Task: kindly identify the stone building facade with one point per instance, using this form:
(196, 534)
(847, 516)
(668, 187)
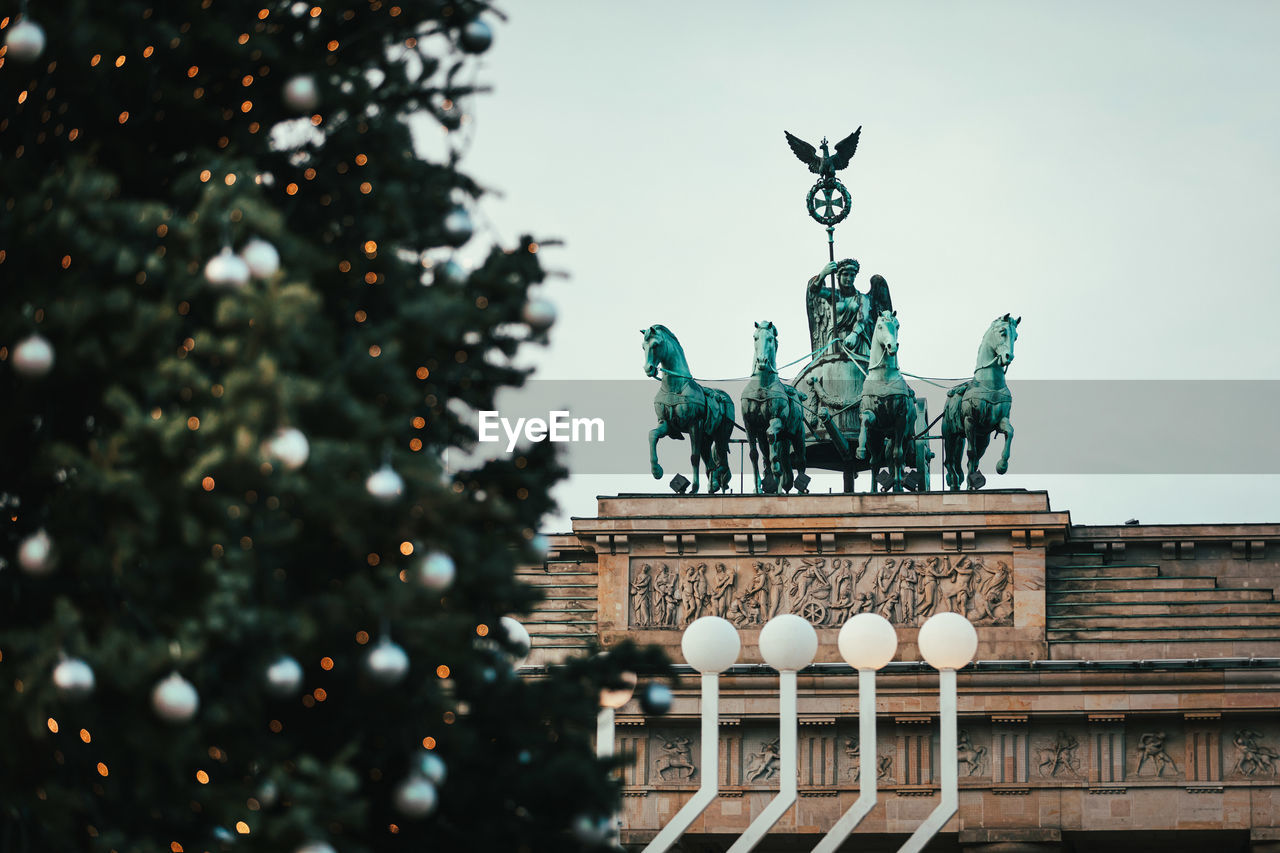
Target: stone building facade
(1125, 696)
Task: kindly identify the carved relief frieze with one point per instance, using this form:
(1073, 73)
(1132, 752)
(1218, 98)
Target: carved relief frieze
(1153, 756)
(1060, 757)
(1253, 757)
(669, 593)
(971, 758)
(672, 758)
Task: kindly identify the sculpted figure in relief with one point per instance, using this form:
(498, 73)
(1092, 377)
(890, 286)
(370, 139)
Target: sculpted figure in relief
(677, 755)
(722, 589)
(764, 764)
(972, 757)
(641, 598)
(1151, 748)
(853, 750)
(665, 597)
(1254, 758)
(1060, 755)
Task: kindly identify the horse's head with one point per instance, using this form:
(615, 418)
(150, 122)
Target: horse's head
(766, 347)
(884, 341)
(997, 343)
(654, 345)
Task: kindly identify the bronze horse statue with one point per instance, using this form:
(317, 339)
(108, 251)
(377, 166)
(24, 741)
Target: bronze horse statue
(887, 410)
(682, 405)
(773, 418)
(979, 407)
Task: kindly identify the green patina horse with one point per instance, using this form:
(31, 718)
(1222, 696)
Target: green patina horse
(887, 410)
(979, 407)
(682, 405)
(773, 417)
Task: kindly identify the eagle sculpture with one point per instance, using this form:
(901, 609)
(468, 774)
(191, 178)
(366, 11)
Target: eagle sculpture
(827, 164)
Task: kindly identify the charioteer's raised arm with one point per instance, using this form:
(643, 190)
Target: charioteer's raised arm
(818, 282)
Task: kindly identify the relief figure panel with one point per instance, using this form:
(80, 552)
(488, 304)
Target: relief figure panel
(669, 593)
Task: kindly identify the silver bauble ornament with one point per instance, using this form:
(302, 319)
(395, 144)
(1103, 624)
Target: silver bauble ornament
(269, 793)
(174, 699)
(519, 639)
(290, 447)
(656, 699)
(540, 314)
(387, 663)
(226, 269)
(416, 797)
(432, 768)
(476, 37)
(457, 226)
(316, 847)
(35, 554)
(436, 571)
(449, 272)
(385, 484)
(262, 258)
(73, 678)
(33, 357)
(590, 829)
(283, 676)
(540, 545)
(25, 41)
(301, 94)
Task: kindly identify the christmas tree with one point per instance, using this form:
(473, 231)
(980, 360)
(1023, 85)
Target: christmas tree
(244, 603)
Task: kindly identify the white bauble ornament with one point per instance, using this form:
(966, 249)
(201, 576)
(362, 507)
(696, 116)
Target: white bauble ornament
(33, 357)
(436, 571)
(35, 554)
(73, 679)
(385, 484)
(25, 41)
(416, 797)
(476, 37)
(519, 637)
(316, 847)
(301, 94)
(283, 676)
(290, 447)
(226, 269)
(540, 314)
(432, 768)
(262, 258)
(175, 699)
(457, 226)
(387, 663)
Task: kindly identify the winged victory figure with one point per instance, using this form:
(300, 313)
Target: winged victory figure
(824, 165)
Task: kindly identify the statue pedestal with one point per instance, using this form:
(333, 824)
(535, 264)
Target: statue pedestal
(666, 560)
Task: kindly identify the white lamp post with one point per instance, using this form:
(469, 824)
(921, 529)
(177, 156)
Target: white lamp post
(611, 699)
(710, 646)
(948, 642)
(788, 644)
(867, 642)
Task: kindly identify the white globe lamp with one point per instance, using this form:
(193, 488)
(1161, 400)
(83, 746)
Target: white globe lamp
(948, 641)
(711, 645)
(867, 641)
(788, 642)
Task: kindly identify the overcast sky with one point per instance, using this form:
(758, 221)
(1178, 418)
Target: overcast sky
(1111, 172)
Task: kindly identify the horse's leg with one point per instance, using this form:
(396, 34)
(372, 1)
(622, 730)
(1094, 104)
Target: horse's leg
(866, 418)
(695, 456)
(654, 434)
(1006, 429)
(753, 442)
(797, 453)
